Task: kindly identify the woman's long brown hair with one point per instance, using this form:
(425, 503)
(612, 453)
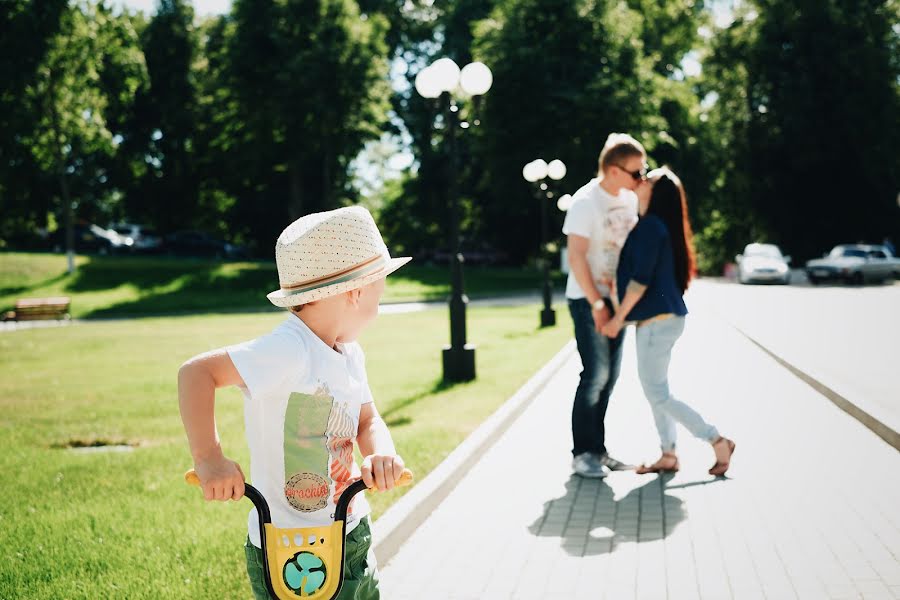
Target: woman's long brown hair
(668, 201)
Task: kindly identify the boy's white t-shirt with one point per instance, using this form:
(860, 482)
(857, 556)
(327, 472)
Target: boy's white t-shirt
(301, 411)
(606, 220)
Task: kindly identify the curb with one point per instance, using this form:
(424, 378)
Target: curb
(879, 428)
(406, 515)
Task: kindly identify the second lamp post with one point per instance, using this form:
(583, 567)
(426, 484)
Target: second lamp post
(536, 172)
(443, 79)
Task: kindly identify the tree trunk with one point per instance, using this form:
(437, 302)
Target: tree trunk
(296, 206)
(63, 184)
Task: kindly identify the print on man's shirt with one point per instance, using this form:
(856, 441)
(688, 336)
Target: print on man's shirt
(619, 222)
(306, 457)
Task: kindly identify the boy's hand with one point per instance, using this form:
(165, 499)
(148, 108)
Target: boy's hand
(221, 478)
(380, 471)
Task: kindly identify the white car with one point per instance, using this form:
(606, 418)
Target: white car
(763, 263)
(143, 239)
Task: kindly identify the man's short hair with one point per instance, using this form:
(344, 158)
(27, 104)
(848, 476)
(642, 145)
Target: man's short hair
(618, 148)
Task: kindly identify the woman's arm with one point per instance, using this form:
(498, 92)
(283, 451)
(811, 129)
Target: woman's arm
(633, 293)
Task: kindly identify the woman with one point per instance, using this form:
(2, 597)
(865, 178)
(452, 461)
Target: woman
(655, 267)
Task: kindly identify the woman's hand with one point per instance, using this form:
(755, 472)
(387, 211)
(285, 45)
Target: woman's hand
(613, 327)
(380, 471)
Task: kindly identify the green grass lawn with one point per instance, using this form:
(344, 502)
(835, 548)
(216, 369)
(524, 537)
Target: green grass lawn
(124, 525)
(114, 286)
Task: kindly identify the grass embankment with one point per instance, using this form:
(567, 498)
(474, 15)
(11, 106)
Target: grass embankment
(124, 525)
(116, 286)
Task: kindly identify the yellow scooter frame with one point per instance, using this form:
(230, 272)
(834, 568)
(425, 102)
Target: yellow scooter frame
(303, 562)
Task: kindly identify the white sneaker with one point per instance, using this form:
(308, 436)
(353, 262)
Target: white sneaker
(588, 465)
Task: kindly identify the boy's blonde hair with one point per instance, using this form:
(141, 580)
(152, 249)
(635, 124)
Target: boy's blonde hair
(618, 148)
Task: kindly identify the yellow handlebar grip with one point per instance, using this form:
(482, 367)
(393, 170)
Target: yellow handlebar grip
(191, 478)
(406, 478)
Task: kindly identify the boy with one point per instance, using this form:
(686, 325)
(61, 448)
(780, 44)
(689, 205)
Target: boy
(306, 393)
(603, 211)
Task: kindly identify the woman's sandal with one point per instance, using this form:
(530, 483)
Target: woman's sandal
(721, 467)
(667, 463)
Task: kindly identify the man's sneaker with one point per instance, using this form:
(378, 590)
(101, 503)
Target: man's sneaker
(587, 465)
(612, 464)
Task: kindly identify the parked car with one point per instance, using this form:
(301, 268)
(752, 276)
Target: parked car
(144, 239)
(200, 244)
(90, 239)
(853, 263)
(763, 263)
(473, 254)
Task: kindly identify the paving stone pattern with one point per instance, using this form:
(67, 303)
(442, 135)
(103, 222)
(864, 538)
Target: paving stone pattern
(810, 508)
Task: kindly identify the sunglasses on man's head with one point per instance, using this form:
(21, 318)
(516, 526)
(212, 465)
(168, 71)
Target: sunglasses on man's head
(636, 175)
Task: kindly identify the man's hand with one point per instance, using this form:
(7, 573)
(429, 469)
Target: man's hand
(613, 327)
(221, 478)
(601, 317)
(380, 471)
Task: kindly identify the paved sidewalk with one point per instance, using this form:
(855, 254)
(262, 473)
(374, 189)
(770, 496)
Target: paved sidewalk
(811, 508)
(844, 338)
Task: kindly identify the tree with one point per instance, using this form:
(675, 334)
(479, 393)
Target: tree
(814, 111)
(164, 124)
(28, 30)
(310, 79)
(566, 74)
(71, 134)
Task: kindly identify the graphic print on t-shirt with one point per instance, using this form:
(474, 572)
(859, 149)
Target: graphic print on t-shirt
(341, 429)
(306, 457)
(620, 220)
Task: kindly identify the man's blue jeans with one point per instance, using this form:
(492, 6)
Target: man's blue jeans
(601, 358)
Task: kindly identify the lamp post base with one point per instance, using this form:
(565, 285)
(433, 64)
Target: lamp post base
(548, 317)
(459, 363)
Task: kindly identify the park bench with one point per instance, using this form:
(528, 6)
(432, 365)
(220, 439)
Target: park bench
(30, 309)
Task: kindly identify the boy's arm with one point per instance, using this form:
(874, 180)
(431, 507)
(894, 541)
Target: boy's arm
(198, 378)
(381, 465)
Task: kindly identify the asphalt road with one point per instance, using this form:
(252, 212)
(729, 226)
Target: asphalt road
(846, 337)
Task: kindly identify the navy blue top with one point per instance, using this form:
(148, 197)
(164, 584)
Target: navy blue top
(647, 259)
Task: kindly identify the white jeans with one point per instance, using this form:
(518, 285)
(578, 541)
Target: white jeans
(654, 350)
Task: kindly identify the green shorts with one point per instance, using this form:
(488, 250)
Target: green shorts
(360, 572)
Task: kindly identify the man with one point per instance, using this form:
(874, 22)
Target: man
(602, 213)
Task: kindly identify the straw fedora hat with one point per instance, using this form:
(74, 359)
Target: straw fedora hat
(328, 253)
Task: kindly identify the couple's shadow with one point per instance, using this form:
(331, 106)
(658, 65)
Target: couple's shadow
(590, 519)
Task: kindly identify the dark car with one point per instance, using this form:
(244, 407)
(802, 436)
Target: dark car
(201, 245)
(852, 263)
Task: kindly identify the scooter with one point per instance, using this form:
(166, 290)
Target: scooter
(303, 562)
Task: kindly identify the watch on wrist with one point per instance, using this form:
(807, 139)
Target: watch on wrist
(598, 304)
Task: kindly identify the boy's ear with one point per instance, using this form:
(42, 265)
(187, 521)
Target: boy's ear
(353, 296)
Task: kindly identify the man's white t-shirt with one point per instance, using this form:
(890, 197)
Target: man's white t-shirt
(606, 221)
(301, 411)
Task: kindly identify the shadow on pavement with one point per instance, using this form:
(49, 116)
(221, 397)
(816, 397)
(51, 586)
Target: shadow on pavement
(589, 519)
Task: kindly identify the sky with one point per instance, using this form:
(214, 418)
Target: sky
(201, 7)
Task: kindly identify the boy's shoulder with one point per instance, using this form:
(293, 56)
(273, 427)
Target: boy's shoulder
(284, 339)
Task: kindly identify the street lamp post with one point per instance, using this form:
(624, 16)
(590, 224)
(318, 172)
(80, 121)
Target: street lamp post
(443, 79)
(535, 172)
